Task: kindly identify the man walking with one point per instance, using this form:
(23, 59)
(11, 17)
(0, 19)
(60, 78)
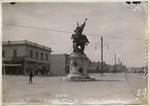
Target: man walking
(30, 78)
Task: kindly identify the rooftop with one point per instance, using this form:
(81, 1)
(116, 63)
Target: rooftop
(26, 42)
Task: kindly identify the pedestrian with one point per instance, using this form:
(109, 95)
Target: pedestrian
(30, 78)
(17, 73)
(10, 74)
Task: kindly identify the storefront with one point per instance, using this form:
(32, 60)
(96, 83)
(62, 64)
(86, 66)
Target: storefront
(12, 69)
(37, 68)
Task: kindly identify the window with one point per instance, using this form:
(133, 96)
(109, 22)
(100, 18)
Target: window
(3, 53)
(41, 55)
(15, 53)
(31, 53)
(46, 56)
(36, 55)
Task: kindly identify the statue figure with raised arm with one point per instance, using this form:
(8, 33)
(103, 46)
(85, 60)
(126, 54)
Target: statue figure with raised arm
(79, 40)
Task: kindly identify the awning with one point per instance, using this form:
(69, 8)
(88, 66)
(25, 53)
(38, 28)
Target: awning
(12, 64)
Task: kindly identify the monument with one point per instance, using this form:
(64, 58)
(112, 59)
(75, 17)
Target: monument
(78, 59)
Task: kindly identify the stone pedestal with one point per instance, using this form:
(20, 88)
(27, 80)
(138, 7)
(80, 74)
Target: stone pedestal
(78, 68)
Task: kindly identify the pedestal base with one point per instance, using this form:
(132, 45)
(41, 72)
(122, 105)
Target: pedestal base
(78, 76)
(78, 68)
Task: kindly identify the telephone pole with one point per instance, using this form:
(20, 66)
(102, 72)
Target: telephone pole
(102, 56)
(102, 63)
(115, 68)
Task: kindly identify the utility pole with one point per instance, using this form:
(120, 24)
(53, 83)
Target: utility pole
(102, 56)
(115, 69)
(102, 63)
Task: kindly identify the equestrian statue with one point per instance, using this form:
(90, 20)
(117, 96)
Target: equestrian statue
(79, 40)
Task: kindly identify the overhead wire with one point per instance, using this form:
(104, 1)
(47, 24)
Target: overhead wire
(55, 30)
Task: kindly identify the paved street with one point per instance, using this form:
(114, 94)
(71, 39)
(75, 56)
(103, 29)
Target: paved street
(112, 88)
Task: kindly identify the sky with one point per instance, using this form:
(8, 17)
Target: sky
(113, 19)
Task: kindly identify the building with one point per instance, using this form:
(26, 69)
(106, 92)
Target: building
(60, 64)
(95, 67)
(137, 69)
(21, 57)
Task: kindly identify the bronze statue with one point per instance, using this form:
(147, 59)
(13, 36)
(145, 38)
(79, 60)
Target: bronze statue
(79, 40)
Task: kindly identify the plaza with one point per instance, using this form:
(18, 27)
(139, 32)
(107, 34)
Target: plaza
(109, 89)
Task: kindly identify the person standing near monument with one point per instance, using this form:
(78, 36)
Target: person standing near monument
(30, 78)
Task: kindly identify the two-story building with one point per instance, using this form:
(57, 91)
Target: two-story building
(21, 57)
